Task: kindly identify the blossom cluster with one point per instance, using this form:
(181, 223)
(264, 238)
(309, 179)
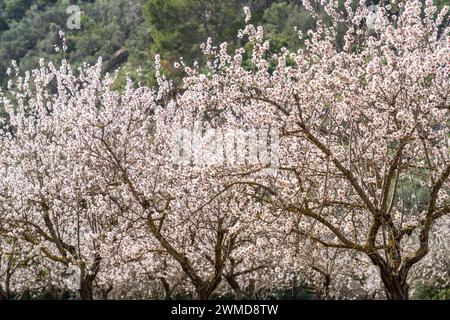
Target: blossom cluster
(358, 205)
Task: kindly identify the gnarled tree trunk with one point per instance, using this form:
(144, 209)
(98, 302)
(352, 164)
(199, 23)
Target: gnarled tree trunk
(86, 292)
(395, 285)
(87, 279)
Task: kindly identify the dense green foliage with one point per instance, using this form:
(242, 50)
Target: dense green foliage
(173, 28)
(29, 31)
(427, 292)
(140, 28)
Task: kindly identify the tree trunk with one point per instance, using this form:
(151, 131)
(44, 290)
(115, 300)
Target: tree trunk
(106, 291)
(87, 279)
(205, 292)
(326, 287)
(86, 292)
(202, 296)
(395, 286)
(167, 289)
(235, 286)
(4, 295)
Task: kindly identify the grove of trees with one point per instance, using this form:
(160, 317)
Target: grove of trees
(312, 157)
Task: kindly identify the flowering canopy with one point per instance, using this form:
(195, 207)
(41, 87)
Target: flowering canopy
(358, 172)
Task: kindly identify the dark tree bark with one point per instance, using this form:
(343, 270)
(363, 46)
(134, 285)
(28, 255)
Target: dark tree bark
(87, 279)
(86, 292)
(4, 295)
(395, 285)
(106, 291)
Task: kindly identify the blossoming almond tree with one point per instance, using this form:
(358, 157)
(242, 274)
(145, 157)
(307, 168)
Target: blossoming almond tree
(87, 178)
(364, 129)
(50, 197)
(94, 179)
(163, 201)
